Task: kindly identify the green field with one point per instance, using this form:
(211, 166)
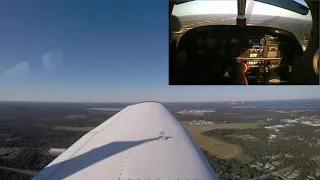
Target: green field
(221, 125)
(217, 147)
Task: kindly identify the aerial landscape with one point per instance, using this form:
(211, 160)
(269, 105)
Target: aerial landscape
(240, 139)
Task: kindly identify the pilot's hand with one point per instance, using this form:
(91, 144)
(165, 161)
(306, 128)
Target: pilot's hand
(241, 68)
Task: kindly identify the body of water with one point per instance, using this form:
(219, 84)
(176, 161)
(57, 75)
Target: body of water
(286, 104)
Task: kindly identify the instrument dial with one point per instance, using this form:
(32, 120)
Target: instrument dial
(199, 41)
(223, 53)
(224, 41)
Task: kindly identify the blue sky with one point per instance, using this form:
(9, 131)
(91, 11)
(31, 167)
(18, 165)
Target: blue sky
(100, 51)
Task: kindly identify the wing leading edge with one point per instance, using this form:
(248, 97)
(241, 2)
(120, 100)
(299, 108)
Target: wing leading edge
(143, 141)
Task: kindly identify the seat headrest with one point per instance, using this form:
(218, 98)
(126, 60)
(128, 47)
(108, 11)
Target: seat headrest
(174, 24)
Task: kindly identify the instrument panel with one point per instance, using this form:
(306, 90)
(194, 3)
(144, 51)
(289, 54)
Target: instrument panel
(220, 47)
(261, 50)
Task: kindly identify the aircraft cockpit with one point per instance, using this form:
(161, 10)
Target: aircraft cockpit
(207, 54)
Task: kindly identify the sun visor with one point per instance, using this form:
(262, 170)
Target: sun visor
(290, 5)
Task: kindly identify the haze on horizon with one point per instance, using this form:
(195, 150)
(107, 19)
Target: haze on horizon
(170, 94)
(129, 102)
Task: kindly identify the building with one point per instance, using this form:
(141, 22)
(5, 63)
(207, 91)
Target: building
(316, 160)
(56, 151)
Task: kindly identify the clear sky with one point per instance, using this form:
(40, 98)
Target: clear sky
(230, 7)
(103, 51)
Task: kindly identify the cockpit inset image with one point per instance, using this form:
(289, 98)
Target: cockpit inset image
(242, 42)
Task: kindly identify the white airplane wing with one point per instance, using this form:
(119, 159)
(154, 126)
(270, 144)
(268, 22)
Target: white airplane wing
(141, 142)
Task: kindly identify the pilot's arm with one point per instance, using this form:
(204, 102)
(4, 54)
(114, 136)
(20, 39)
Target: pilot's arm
(240, 70)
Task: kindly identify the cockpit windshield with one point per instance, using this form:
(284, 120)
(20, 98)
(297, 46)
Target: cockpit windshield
(217, 12)
(200, 13)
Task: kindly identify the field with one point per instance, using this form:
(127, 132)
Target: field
(220, 125)
(217, 147)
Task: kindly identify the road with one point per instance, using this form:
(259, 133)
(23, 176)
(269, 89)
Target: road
(27, 172)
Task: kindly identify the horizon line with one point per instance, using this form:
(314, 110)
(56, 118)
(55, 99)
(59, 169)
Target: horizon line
(134, 102)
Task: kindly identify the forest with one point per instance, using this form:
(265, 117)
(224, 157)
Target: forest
(294, 146)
